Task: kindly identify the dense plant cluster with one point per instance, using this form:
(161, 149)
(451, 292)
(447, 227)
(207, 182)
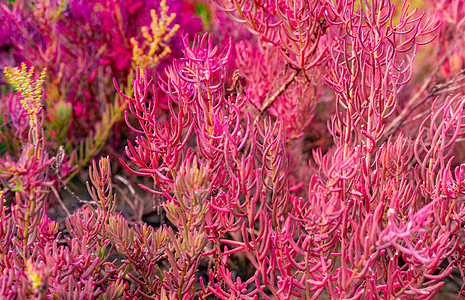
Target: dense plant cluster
(298, 150)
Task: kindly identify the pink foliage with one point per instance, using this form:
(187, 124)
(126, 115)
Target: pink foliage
(263, 202)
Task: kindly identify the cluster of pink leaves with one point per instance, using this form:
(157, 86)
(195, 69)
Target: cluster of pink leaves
(83, 45)
(378, 218)
(382, 209)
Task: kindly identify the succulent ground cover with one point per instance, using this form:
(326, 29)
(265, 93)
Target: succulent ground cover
(242, 149)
